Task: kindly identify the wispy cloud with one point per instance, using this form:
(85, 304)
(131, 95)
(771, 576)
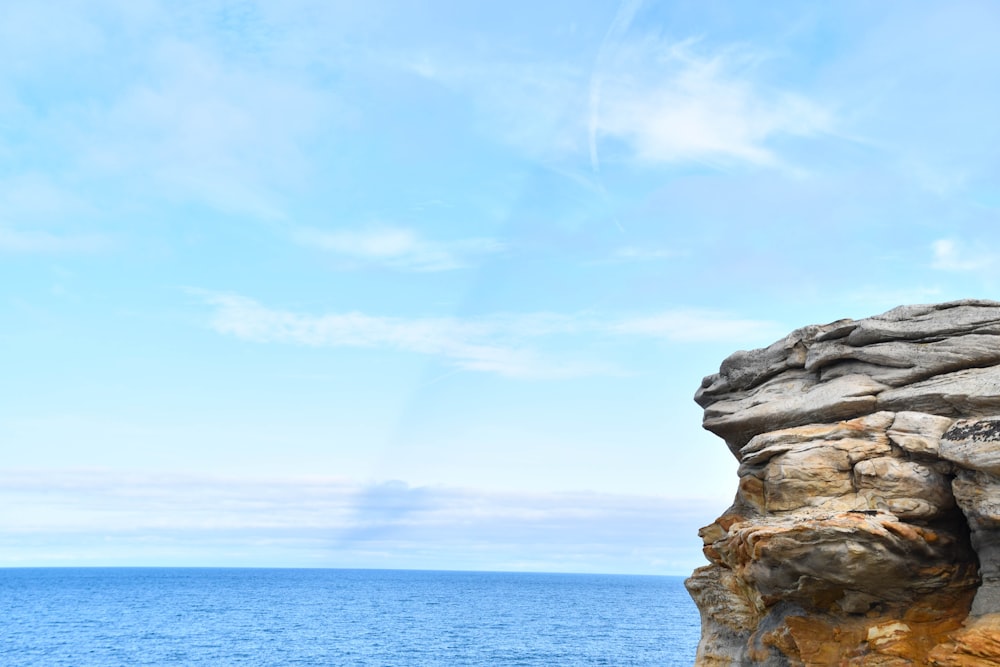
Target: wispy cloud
(503, 344)
(533, 106)
(644, 254)
(115, 517)
(227, 133)
(398, 248)
(39, 241)
(177, 104)
(40, 215)
(672, 102)
(474, 345)
(951, 255)
(647, 99)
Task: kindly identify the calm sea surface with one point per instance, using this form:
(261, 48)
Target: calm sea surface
(166, 616)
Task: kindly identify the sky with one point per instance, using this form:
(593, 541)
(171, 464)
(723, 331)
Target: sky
(431, 284)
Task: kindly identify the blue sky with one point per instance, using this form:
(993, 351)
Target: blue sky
(432, 284)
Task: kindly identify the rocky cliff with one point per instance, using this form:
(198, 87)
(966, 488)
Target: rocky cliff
(866, 524)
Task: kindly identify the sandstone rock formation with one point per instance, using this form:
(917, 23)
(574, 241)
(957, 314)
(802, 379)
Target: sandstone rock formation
(866, 525)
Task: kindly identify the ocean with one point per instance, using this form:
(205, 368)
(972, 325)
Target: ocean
(275, 617)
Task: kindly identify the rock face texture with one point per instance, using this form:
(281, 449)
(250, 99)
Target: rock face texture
(866, 524)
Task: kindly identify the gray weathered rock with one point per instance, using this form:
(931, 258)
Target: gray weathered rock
(796, 400)
(973, 444)
(974, 392)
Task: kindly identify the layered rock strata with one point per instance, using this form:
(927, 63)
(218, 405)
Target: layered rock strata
(866, 524)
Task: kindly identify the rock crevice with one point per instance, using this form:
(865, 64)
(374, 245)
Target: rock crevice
(866, 524)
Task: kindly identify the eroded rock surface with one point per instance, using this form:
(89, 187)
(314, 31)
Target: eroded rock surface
(866, 524)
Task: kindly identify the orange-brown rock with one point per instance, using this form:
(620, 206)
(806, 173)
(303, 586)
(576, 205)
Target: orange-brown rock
(975, 645)
(866, 524)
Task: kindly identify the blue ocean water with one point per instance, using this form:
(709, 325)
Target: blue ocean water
(191, 616)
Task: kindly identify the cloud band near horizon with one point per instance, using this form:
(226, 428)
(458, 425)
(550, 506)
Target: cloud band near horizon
(93, 517)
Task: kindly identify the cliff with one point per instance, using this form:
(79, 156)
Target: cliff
(866, 524)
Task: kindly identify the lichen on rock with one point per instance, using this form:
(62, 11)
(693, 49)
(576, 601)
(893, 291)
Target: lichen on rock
(866, 524)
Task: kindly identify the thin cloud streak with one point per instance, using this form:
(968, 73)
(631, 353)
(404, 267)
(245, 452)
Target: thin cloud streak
(497, 344)
(626, 254)
(612, 41)
(399, 248)
(469, 344)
